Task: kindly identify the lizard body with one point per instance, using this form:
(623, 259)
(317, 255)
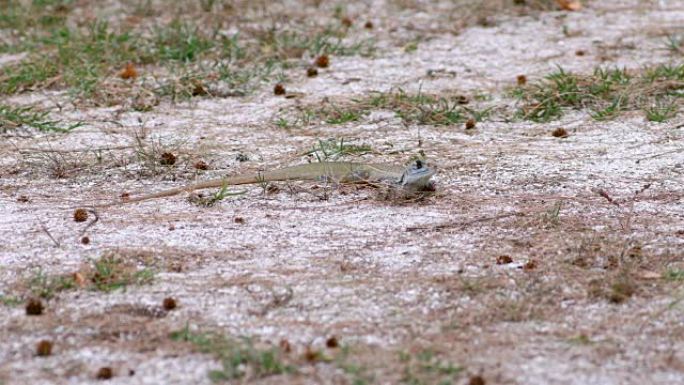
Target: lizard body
(414, 177)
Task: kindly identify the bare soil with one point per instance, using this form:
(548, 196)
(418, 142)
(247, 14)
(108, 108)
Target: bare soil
(539, 259)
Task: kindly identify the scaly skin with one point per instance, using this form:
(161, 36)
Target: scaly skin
(413, 177)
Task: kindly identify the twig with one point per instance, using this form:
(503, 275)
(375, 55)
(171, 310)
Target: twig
(95, 149)
(95, 219)
(276, 300)
(45, 229)
(51, 81)
(661, 154)
(463, 225)
(605, 195)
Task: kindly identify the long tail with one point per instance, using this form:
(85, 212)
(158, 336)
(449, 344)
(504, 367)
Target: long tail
(302, 172)
(238, 180)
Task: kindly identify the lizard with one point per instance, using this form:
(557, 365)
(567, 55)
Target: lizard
(412, 178)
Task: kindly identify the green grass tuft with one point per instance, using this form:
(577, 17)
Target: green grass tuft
(674, 275)
(332, 149)
(180, 41)
(416, 108)
(606, 93)
(14, 117)
(426, 368)
(110, 273)
(239, 357)
(47, 286)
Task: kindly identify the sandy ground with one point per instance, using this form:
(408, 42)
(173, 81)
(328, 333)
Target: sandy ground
(382, 277)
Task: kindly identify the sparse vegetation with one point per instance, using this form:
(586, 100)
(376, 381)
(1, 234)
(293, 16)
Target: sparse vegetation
(110, 273)
(106, 274)
(607, 93)
(179, 59)
(674, 275)
(47, 286)
(216, 197)
(243, 359)
(155, 156)
(581, 339)
(416, 108)
(622, 287)
(282, 123)
(422, 108)
(358, 373)
(64, 164)
(10, 300)
(14, 117)
(661, 113)
(411, 46)
(552, 215)
(333, 149)
(425, 367)
(675, 44)
(26, 17)
(538, 237)
(239, 357)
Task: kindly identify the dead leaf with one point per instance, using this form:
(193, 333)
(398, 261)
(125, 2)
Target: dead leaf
(504, 260)
(569, 5)
(530, 265)
(79, 280)
(129, 72)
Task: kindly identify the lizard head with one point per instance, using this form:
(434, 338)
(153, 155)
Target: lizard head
(417, 175)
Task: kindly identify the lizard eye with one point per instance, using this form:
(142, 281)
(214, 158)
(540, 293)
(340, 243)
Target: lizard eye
(419, 164)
